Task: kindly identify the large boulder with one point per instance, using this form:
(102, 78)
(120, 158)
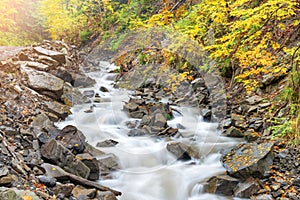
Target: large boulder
(250, 159)
(58, 109)
(43, 82)
(56, 153)
(222, 184)
(180, 150)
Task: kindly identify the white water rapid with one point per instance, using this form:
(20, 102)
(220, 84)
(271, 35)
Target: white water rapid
(148, 171)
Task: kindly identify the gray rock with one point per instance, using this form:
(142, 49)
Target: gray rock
(60, 110)
(47, 180)
(263, 197)
(89, 93)
(206, 114)
(81, 80)
(107, 143)
(239, 121)
(158, 120)
(72, 138)
(58, 154)
(62, 74)
(55, 172)
(72, 96)
(137, 132)
(247, 160)
(43, 82)
(198, 83)
(48, 61)
(250, 135)
(108, 163)
(59, 57)
(179, 149)
(222, 184)
(130, 107)
(3, 170)
(247, 189)
(64, 190)
(80, 192)
(234, 132)
(226, 123)
(92, 164)
(297, 181)
(106, 195)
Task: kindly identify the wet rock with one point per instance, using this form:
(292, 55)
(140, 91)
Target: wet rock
(103, 89)
(247, 160)
(206, 114)
(60, 110)
(137, 132)
(7, 194)
(72, 138)
(43, 82)
(82, 193)
(226, 123)
(130, 107)
(81, 80)
(89, 93)
(222, 184)
(47, 181)
(180, 150)
(234, 132)
(58, 154)
(92, 164)
(107, 143)
(59, 57)
(108, 163)
(63, 190)
(247, 189)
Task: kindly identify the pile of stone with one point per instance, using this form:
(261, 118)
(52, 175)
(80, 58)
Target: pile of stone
(38, 85)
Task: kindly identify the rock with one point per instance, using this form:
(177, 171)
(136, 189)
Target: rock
(107, 195)
(59, 57)
(6, 180)
(137, 132)
(247, 160)
(297, 181)
(198, 83)
(3, 170)
(7, 194)
(226, 123)
(107, 143)
(247, 189)
(54, 171)
(179, 149)
(103, 89)
(222, 184)
(80, 192)
(92, 164)
(130, 107)
(29, 194)
(36, 65)
(108, 163)
(234, 132)
(72, 96)
(263, 197)
(58, 154)
(137, 114)
(159, 120)
(81, 80)
(48, 61)
(72, 138)
(64, 190)
(43, 82)
(60, 110)
(254, 99)
(250, 135)
(89, 93)
(206, 114)
(44, 128)
(62, 74)
(47, 180)
(239, 121)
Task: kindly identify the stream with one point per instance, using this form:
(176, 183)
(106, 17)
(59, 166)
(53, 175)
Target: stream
(148, 170)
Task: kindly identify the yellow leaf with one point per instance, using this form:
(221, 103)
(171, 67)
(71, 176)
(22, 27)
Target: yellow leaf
(27, 198)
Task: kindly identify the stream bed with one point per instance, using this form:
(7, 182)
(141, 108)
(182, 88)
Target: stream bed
(148, 170)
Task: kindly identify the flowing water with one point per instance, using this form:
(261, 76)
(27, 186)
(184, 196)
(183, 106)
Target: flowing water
(148, 171)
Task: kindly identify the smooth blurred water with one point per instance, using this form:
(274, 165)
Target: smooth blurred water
(148, 170)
